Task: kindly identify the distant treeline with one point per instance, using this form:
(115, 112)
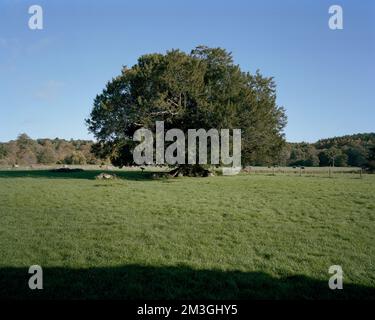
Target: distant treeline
(355, 150)
(26, 151)
(352, 150)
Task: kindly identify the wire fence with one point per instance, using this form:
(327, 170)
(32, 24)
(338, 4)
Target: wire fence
(305, 171)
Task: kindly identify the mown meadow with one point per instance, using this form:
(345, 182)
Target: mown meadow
(258, 236)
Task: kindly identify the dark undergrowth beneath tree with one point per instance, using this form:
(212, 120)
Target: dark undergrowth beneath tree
(190, 171)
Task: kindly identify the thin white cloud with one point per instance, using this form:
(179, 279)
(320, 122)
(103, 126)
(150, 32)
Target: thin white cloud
(49, 91)
(13, 49)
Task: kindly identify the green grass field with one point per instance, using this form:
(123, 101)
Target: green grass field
(247, 236)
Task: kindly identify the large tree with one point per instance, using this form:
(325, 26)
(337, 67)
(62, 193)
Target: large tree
(203, 89)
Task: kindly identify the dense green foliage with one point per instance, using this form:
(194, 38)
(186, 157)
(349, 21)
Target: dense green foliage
(248, 236)
(203, 89)
(352, 150)
(356, 150)
(371, 160)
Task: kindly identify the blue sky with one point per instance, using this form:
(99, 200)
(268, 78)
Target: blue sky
(49, 77)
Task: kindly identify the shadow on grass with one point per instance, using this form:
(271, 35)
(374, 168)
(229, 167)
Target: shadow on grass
(146, 282)
(87, 174)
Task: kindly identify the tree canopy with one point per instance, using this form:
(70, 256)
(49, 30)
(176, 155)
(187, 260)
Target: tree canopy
(202, 89)
(25, 151)
(356, 150)
(349, 150)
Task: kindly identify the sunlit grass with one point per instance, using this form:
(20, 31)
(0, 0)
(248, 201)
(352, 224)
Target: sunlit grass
(281, 226)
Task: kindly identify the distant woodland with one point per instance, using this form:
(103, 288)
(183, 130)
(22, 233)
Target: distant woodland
(26, 151)
(356, 150)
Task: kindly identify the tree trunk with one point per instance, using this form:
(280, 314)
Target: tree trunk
(190, 170)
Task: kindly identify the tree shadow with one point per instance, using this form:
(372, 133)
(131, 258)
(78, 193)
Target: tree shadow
(86, 174)
(175, 282)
